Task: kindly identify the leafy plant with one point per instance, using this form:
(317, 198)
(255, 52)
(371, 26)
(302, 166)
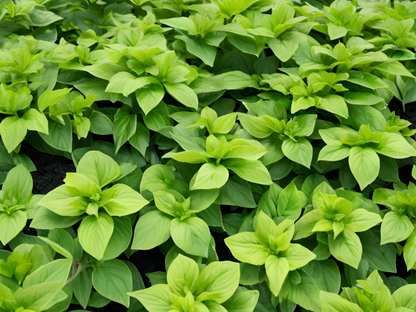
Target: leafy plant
(362, 148)
(17, 204)
(270, 246)
(85, 192)
(214, 287)
(340, 219)
(369, 294)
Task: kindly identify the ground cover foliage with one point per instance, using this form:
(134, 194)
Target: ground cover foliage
(251, 145)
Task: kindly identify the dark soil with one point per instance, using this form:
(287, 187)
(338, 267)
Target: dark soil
(51, 169)
(409, 114)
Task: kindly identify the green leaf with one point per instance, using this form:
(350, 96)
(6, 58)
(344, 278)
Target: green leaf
(334, 104)
(255, 126)
(60, 135)
(394, 145)
(36, 298)
(182, 275)
(210, 176)
(249, 170)
(124, 126)
(13, 130)
(364, 164)
(11, 225)
(236, 192)
(61, 241)
(394, 68)
(100, 123)
(218, 281)
(299, 151)
(45, 219)
(335, 303)
(49, 98)
(361, 98)
(18, 185)
(383, 257)
(346, 247)
(366, 80)
(200, 49)
(409, 251)
(246, 248)
(113, 280)
(395, 228)
(297, 256)
(35, 121)
(94, 233)
(99, 168)
(285, 46)
(64, 201)
(121, 200)
(54, 272)
(120, 238)
(192, 235)
(334, 153)
(155, 298)
(403, 297)
(361, 220)
(289, 204)
(82, 287)
(336, 32)
(182, 93)
(233, 80)
(243, 300)
(152, 230)
(150, 96)
(126, 83)
(276, 270)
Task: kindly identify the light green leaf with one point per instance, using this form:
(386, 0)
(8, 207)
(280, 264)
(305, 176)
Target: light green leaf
(13, 130)
(155, 298)
(297, 256)
(334, 153)
(182, 275)
(35, 121)
(113, 280)
(299, 151)
(246, 248)
(346, 247)
(395, 228)
(54, 272)
(126, 83)
(94, 233)
(121, 200)
(182, 93)
(150, 96)
(249, 170)
(364, 164)
(361, 220)
(152, 230)
(334, 303)
(18, 185)
(210, 176)
(36, 298)
(276, 270)
(218, 281)
(192, 235)
(99, 167)
(11, 225)
(49, 98)
(65, 201)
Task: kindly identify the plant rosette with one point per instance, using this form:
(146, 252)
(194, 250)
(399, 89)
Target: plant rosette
(85, 192)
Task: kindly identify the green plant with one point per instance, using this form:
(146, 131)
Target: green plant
(215, 287)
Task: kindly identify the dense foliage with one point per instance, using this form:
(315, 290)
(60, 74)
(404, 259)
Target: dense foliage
(256, 132)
